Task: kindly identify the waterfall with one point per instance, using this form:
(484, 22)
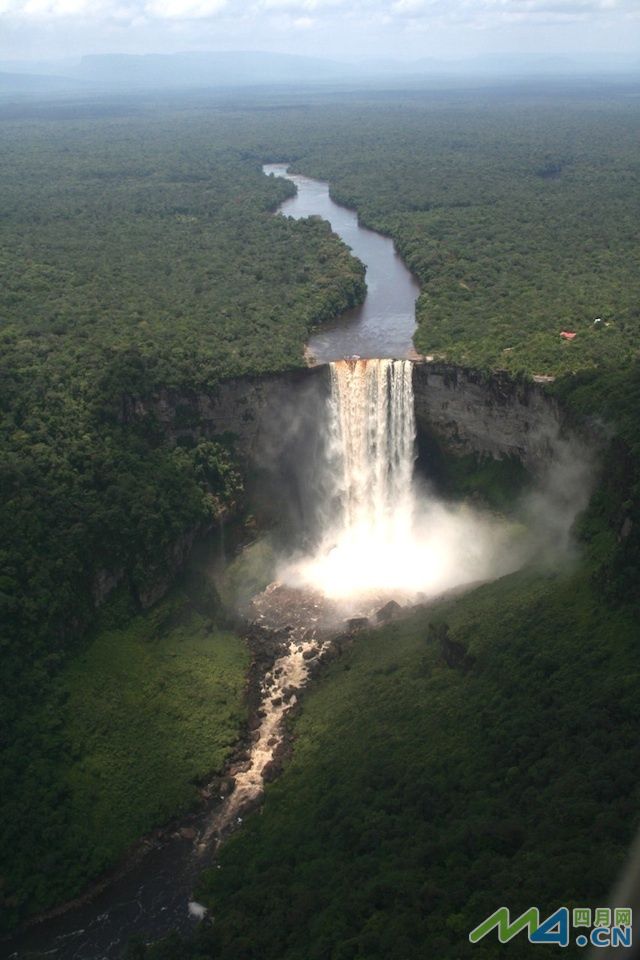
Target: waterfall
(382, 533)
(371, 427)
(369, 505)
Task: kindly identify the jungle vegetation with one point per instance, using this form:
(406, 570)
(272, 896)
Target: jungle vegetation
(139, 251)
(423, 792)
(135, 256)
(519, 219)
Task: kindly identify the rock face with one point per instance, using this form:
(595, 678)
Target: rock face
(274, 418)
(104, 583)
(455, 655)
(272, 423)
(173, 561)
(262, 413)
(490, 415)
(389, 612)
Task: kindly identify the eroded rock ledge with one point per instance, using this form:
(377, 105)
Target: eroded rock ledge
(271, 421)
(471, 411)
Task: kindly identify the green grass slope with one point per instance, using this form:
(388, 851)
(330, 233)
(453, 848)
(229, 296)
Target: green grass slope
(425, 790)
(116, 746)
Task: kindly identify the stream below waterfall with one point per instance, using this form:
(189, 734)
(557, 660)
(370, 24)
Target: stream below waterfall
(152, 894)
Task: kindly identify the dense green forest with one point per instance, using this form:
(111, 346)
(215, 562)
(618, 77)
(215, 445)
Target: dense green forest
(135, 255)
(422, 794)
(481, 752)
(139, 251)
(519, 219)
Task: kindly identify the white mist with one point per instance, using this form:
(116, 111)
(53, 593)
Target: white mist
(381, 536)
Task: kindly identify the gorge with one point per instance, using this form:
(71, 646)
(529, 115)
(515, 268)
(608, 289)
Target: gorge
(352, 426)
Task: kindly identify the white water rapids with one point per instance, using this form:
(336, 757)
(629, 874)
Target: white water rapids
(369, 486)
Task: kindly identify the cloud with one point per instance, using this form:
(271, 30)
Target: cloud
(298, 6)
(47, 9)
(410, 8)
(113, 9)
(400, 31)
(489, 13)
(55, 8)
(184, 9)
(308, 13)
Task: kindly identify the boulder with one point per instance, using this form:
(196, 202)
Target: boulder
(227, 786)
(271, 770)
(455, 655)
(388, 612)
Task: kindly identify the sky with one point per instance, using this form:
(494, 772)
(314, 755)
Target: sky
(334, 29)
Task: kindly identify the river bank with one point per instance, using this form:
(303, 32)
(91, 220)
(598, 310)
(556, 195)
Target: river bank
(384, 323)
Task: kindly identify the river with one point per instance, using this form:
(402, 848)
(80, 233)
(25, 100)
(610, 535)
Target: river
(382, 326)
(153, 895)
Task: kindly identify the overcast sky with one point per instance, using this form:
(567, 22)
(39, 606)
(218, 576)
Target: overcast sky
(341, 29)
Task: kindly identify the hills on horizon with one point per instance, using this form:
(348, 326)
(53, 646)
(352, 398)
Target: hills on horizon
(252, 68)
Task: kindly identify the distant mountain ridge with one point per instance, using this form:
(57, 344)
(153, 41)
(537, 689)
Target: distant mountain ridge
(254, 68)
(219, 68)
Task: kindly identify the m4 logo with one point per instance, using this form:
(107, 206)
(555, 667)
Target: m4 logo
(555, 929)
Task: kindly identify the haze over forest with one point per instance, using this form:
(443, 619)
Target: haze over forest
(211, 42)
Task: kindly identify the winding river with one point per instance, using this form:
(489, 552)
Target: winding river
(153, 895)
(382, 326)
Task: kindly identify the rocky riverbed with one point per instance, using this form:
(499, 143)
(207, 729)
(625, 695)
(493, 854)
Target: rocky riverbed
(291, 634)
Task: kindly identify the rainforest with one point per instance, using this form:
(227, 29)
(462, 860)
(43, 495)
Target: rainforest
(469, 741)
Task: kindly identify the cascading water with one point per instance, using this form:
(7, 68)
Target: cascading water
(369, 509)
(381, 537)
(370, 503)
(371, 445)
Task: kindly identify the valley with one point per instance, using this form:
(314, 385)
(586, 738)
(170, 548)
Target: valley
(437, 753)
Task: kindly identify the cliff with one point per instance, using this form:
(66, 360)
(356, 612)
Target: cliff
(271, 424)
(260, 415)
(271, 418)
(487, 414)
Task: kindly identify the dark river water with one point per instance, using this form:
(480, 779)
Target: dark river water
(384, 324)
(152, 898)
(148, 901)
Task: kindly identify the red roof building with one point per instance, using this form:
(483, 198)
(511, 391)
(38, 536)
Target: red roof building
(567, 335)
